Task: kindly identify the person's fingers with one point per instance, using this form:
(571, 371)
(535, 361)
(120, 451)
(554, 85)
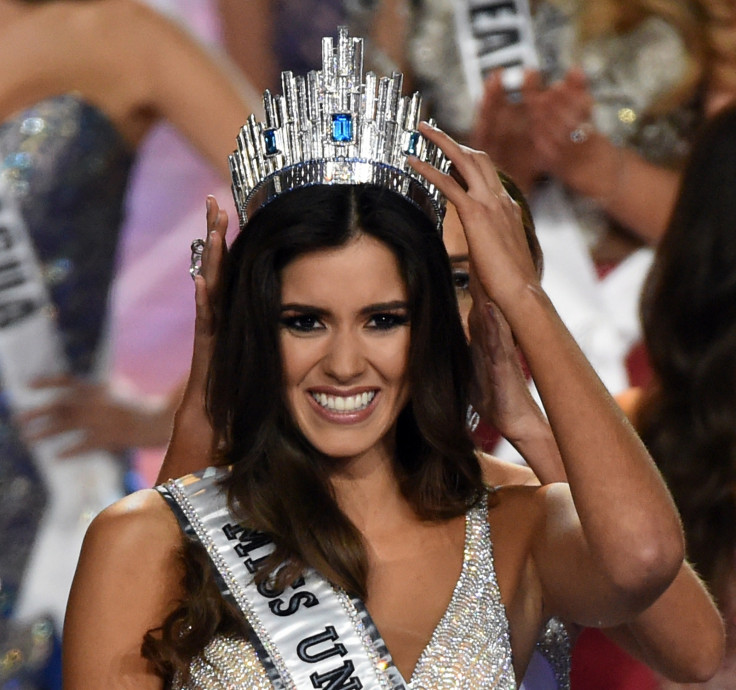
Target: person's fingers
(485, 127)
(43, 431)
(446, 183)
(493, 95)
(203, 321)
(203, 327)
(576, 78)
(55, 418)
(215, 249)
(474, 167)
(211, 216)
(531, 84)
(30, 417)
(569, 102)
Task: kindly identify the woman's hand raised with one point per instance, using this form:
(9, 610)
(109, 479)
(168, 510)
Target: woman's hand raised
(192, 441)
(491, 219)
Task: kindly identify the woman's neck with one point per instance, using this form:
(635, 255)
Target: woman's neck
(367, 490)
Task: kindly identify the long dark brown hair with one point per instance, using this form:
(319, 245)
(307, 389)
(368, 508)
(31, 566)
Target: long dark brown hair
(279, 482)
(688, 418)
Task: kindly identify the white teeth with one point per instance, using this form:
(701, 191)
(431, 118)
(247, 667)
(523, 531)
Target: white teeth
(349, 403)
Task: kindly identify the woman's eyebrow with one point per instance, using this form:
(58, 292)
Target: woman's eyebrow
(393, 305)
(304, 308)
(385, 306)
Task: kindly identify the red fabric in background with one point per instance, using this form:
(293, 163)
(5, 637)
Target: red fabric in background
(599, 664)
(638, 367)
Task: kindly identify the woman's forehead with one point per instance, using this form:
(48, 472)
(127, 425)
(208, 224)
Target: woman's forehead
(364, 264)
(453, 235)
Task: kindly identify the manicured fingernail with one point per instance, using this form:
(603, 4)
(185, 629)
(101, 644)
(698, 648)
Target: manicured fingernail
(208, 204)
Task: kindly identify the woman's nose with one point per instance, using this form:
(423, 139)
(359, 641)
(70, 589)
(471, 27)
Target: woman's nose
(345, 359)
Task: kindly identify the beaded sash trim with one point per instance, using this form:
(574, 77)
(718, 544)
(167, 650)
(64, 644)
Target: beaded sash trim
(311, 636)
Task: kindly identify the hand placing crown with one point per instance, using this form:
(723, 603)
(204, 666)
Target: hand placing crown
(332, 127)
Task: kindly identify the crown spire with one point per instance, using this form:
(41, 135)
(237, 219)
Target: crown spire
(334, 127)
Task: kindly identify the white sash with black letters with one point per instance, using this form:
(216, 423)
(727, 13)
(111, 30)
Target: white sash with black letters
(493, 34)
(313, 635)
(78, 487)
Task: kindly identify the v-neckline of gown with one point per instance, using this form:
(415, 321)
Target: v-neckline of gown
(467, 545)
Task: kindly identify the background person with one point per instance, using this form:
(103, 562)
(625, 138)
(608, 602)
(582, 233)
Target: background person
(626, 78)
(684, 414)
(75, 105)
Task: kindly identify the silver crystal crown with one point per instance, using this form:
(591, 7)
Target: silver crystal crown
(334, 128)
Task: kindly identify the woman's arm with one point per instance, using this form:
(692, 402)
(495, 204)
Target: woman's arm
(663, 635)
(680, 636)
(198, 91)
(249, 35)
(127, 581)
(636, 193)
(611, 541)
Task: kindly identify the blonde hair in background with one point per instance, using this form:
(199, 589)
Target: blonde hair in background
(720, 16)
(597, 19)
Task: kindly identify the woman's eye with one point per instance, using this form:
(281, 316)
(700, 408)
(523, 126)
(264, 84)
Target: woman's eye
(461, 278)
(301, 323)
(385, 322)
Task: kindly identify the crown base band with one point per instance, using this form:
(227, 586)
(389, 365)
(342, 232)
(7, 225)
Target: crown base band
(344, 171)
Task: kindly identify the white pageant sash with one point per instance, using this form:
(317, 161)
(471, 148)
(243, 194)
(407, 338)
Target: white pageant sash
(313, 635)
(493, 34)
(78, 487)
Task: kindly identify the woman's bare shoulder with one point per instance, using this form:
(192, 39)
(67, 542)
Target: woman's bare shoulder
(130, 558)
(128, 581)
(140, 524)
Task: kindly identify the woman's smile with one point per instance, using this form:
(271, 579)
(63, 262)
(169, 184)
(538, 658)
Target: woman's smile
(345, 408)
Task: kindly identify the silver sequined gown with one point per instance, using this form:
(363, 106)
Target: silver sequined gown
(67, 167)
(469, 649)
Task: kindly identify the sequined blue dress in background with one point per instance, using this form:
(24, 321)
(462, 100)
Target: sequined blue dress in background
(67, 169)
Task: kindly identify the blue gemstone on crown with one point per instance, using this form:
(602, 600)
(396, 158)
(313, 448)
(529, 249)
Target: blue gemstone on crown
(411, 148)
(269, 137)
(342, 127)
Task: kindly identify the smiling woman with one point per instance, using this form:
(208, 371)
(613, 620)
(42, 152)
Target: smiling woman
(344, 538)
